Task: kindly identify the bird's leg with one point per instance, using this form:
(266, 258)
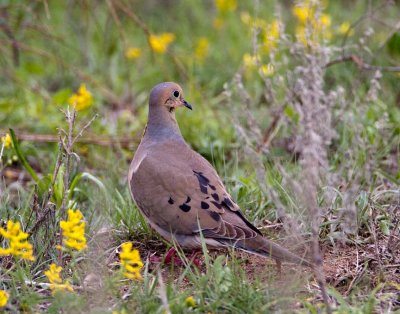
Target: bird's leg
(172, 258)
(193, 258)
(169, 258)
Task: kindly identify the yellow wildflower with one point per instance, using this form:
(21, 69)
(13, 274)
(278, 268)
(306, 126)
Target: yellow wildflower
(133, 53)
(271, 36)
(345, 28)
(250, 60)
(301, 34)
(266, 70)
(74, 230)
(19, 246)
(303, 13)
(325, 20)
(246, 18)
(160, 43)
(3, 298)
(82, 99)
(201, 49)
(224, 6)
(56, 283)
(130, 261)
(6, 140)
(311, 27)
(190, 301)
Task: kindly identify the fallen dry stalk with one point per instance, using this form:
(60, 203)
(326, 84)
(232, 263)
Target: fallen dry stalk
(124, 142)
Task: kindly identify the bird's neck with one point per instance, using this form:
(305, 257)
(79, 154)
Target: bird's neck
(162, 124)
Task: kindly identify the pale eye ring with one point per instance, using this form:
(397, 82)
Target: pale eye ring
(176, 94)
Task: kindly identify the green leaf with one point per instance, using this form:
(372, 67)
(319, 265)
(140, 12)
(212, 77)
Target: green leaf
(291, 113)
(22, 158)
(393, 44)
(59, 186)
(88, 176)
(61, 97)
(384, 226)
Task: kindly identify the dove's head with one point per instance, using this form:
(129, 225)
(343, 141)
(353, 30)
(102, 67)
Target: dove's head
(168, 95)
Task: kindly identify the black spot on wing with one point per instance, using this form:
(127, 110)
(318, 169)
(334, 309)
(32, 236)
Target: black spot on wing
(215, 197)
(188, 200)
(218, 205)
(203, 189)
(228, 203)
(212, 187)
(170, 201)
(185, 207)
(215, 216)
(204, 205)
(203, 181)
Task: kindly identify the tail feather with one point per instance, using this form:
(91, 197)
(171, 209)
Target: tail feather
(261, 246)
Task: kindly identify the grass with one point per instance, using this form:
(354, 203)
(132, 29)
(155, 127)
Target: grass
(254, 129)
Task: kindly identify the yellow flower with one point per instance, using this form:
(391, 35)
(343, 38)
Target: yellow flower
(73, 230)
(130, 261)
(225, 6)
(3, 298)
(160, 43)
(133, 53)
(190, 301)
(19, 246)
(6, 140)
(82, 99)
(308, 22)
(271, 36)
(301, 34)
(345, 28)
(325, 20)
(56, 283)
(201, 49)
(303, 13)
(246, 18)
(266, 70)
(250, 60)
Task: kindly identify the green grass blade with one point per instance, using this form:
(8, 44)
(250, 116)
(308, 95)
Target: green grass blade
(22, 158)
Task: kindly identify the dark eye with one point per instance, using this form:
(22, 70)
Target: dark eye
(176, 94)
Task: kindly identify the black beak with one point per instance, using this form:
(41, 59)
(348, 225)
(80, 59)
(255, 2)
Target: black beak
(187, 105)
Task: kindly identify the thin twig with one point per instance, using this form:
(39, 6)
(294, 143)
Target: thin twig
(271, 129)
(396, 221)
(70, 116)
(362, 65)
(124, 142)
(83, 129)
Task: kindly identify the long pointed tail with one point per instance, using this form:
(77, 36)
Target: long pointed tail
(261, 246)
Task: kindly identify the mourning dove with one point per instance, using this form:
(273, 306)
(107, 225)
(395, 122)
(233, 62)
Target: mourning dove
(179, 192)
